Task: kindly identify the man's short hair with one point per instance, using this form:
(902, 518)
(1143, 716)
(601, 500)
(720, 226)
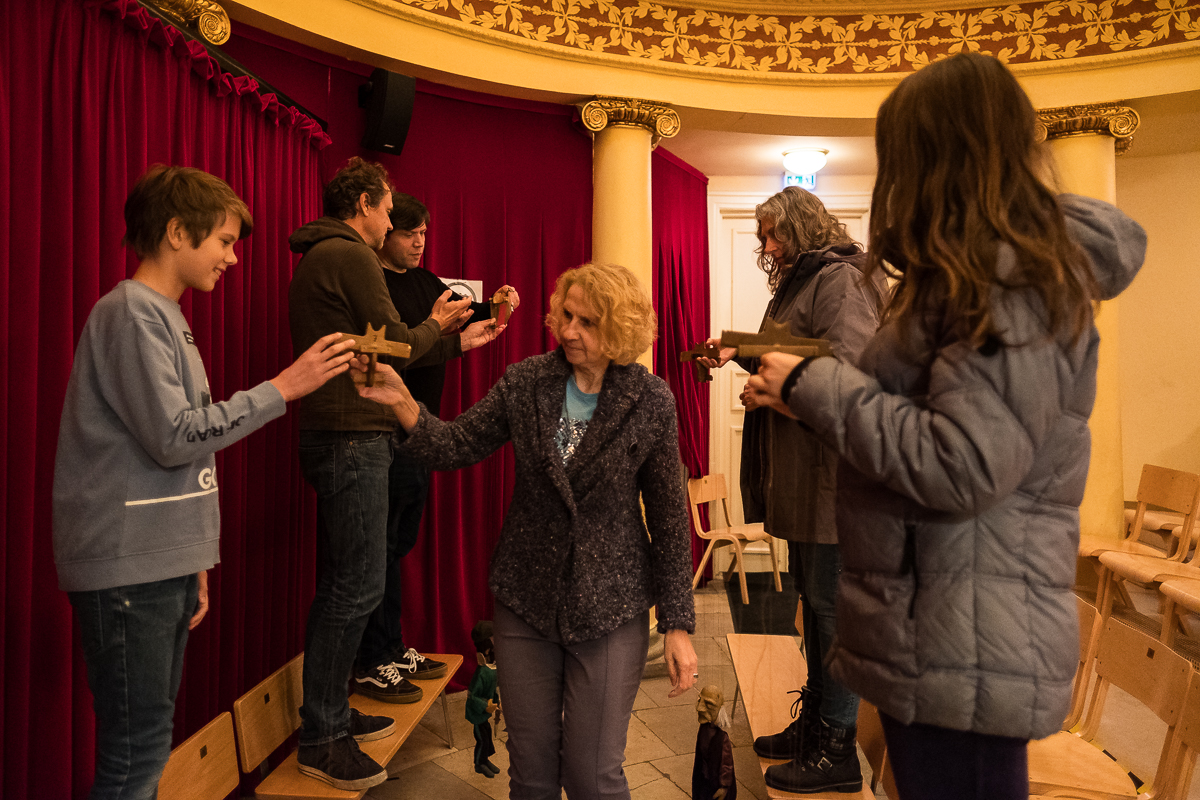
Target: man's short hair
(200, 201)
(408, 213)
(340, 199)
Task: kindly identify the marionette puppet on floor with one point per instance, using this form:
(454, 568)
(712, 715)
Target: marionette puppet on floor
(483, 698)
(712, 776)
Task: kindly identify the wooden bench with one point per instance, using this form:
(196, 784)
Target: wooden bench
(270, 712)
(204, 767)
(767, 668)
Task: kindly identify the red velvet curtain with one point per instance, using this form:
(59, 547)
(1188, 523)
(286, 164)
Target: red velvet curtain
(85, 86)
(679, 205)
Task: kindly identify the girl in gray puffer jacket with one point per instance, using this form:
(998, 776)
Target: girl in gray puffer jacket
(963, 432)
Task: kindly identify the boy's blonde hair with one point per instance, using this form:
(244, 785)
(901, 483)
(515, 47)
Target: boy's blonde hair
(200, 201)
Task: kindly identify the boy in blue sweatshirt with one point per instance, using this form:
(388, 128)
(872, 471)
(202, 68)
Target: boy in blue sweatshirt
(136, 517)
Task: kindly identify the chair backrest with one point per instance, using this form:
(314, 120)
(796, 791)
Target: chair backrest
(269, 713)
(1173, 490)
(204, 767)
(1141, 665)
(706, 489)
(1187, 734)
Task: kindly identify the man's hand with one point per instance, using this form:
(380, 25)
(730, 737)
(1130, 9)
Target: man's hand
(314, 367)
(748, 398)
(479, 333)
(451, 314)
(726, 354)
(766, 386)
(201, 600)
(514, 299)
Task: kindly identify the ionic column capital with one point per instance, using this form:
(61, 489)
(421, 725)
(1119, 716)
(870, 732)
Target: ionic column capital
(660, 119)
(1108, 119)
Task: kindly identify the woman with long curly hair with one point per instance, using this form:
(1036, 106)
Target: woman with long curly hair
(963, 432)
(788, 478)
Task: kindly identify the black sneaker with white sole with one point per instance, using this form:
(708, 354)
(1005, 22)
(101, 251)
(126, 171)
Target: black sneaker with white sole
(385, 683)
(368, 728)
(417, 667)
(341, 764)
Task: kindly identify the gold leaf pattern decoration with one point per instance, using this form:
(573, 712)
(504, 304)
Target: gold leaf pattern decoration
(823, 44)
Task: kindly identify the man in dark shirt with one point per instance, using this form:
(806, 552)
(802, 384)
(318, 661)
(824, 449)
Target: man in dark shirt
(384, 662)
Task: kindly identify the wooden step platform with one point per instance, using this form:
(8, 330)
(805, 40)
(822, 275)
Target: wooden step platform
(767, 668)
(286, 782)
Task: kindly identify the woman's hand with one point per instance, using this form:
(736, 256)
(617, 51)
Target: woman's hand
(715, 363)
(389, 390)
(681, 661)
(201, 600)
(765, 387)
(749, 399)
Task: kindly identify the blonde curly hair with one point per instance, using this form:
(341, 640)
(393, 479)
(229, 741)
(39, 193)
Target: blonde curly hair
(627, 322)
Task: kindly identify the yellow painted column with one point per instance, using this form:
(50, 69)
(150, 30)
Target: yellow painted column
(625, 130)
(1085, 141)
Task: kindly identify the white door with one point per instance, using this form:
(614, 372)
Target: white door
(739, 298)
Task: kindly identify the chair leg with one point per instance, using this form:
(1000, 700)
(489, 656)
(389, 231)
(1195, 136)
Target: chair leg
(703, 563)
(775, 564)
(741, 568)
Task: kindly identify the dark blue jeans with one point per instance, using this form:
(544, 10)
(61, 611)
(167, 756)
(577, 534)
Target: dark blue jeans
(932, 763)
(815, 569)
(133, 641)
(408, 487)
(349, 471)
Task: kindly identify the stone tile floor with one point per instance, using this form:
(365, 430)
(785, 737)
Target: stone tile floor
(662, 733)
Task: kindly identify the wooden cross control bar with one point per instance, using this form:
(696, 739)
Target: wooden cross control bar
(374, 344)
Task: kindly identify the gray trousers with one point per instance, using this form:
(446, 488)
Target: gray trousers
(567, 708)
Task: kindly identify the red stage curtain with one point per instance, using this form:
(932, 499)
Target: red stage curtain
(93, 93)
(679, 204)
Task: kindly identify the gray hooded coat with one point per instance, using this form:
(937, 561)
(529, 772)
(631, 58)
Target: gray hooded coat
(958, 500)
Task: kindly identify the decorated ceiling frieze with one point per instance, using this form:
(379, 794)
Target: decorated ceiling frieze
(816, 43)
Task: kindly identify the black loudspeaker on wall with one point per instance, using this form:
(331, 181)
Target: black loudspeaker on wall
(388, 99)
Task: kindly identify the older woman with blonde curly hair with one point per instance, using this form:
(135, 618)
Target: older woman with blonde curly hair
(577, 567)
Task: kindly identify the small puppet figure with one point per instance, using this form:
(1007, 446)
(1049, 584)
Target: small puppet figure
(483, 699)
(712, 776)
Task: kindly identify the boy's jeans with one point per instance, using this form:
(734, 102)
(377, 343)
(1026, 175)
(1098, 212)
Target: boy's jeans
(133, 641)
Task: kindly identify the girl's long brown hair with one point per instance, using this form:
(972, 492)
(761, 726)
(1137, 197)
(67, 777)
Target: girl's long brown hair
(959, 172)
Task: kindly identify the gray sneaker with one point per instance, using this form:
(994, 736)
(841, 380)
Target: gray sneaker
(341, 764)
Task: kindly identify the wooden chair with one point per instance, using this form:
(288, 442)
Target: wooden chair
(1148, 531)
(1177, 593)
(268, 714)
(1088, 619)
(1187, 740)
(204, 767)
(1068, 765)
(710, 488)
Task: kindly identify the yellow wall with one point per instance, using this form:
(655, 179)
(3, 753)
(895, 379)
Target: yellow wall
(1160, 340)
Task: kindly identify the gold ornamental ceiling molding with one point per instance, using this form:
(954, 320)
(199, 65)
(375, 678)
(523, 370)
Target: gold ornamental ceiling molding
(1110, 119)
(205, 17)
(812, 42)
(659, 118)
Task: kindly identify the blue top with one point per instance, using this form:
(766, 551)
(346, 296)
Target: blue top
(577, 410)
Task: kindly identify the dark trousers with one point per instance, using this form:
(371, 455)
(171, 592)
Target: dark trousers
(485, 748)
(932, 763)
(815, 569)
(349, 470)
(408, 488)
(133, 642)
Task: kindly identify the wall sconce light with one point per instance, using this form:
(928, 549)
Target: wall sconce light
(804, 160)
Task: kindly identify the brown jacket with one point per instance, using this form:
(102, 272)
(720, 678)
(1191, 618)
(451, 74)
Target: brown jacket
(574, 552)
(788, 478)
(338, 287)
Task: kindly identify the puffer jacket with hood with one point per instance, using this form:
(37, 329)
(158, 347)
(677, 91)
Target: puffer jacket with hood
(958, 497)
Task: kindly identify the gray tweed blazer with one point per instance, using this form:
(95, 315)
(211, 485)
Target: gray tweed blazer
(575, 557)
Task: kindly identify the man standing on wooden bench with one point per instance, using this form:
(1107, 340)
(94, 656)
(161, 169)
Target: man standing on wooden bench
(345, 454)
(385, 665)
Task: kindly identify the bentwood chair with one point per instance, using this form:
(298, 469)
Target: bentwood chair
(710, 488)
